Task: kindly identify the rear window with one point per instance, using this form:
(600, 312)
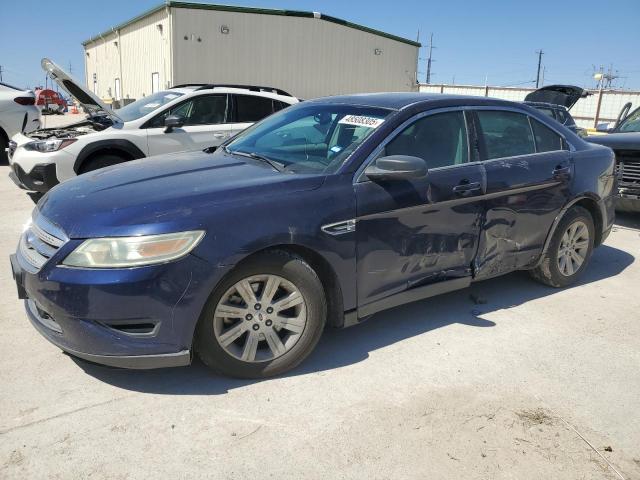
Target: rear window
(251, 108)
(505, 134)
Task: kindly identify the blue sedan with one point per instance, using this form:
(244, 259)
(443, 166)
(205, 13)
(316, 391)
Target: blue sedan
(320, 215)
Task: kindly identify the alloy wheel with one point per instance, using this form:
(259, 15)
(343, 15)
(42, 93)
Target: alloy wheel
(260, 318)
(574, 247)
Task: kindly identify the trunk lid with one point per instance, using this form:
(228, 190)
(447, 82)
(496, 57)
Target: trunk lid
(565, 95)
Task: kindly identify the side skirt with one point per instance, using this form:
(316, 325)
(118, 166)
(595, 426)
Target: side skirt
(408, 296)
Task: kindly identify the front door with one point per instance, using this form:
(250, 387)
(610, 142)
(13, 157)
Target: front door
(412, 233)
(528, 169)
(205, 126)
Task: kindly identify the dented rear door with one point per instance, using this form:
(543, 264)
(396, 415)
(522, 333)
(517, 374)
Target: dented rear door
(528, 173)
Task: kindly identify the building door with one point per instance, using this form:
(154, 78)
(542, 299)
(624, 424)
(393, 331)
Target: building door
(155, 82)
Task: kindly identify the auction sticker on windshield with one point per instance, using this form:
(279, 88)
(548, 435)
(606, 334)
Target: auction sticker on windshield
(362, 121)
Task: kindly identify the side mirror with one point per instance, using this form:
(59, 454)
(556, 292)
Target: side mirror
(173, 121)
(396, 167)
(604, 127)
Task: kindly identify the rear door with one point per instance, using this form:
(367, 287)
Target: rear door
(205, 125)
(248, 109)
(414, 232)
(528, 169)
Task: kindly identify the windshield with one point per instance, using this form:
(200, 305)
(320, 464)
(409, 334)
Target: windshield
(140, 108)
(631, 123)
(310, 138)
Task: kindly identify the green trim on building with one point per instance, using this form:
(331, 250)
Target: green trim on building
(262, 11)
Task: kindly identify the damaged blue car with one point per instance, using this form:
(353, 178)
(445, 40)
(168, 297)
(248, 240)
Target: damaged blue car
(320, 215)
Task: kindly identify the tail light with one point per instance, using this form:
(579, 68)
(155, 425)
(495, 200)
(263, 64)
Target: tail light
(25, 100)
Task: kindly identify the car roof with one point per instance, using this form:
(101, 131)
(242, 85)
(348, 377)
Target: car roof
(400, 100)
(245, 91)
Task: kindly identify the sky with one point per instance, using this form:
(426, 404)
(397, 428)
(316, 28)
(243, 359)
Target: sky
(493, 41)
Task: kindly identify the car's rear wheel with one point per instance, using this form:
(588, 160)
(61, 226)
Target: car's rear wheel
(569, 251)
(100, 161)
(264, 318)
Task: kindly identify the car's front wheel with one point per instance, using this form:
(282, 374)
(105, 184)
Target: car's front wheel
(100, 161)
(569, 251)
(264, 319)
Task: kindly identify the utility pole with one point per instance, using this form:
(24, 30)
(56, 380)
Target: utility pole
(0, 73)
(540, 53)
(70, 69)
(429, 59)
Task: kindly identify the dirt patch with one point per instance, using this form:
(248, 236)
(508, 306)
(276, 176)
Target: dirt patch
(537, 416)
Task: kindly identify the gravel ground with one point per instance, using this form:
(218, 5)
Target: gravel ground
(508, 379)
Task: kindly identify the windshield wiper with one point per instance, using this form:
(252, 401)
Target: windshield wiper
(279, 167)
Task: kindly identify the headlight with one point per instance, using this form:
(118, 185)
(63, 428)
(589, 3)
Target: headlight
(51, 145)
(122, 252)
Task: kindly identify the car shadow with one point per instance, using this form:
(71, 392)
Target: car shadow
(339, 348)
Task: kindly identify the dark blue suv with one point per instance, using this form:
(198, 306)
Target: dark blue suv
(322, 214)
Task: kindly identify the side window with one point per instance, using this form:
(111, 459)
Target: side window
(251, 108)
(439, 139)
(207, 110)
(201, 110)
(546, 139)
(505, 134)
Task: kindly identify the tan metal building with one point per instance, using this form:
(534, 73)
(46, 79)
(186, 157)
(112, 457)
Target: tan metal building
(307, 54)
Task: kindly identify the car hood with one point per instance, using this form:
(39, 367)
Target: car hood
(565, 95)
(167, 193)
(87, 99)
(621, 141)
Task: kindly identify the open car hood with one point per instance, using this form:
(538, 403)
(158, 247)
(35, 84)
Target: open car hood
(565, 95)
(87, 99)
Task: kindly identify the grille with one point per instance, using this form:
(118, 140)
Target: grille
(40, 241)
(628, 170)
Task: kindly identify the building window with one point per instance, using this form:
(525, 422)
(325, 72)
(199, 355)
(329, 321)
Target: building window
(117, 88)
(155, 82)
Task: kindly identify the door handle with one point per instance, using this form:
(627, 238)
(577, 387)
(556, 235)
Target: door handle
(220, 135)
(561, 170)
(465, 187)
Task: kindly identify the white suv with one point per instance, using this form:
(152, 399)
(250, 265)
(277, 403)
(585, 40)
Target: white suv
(182, 118)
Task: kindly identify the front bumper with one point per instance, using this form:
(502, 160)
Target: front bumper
(42, 178)
(131, 318)
(628, 202)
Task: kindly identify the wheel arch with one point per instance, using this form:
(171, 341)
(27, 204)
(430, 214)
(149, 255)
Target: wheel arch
(324, 270)
(123, 148)
(589, 203)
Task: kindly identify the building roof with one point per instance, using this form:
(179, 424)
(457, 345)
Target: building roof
(263, 11)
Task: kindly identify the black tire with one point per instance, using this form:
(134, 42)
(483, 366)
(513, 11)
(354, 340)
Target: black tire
(100, 161)
(548, 272)
(4, 159)
(293, 269)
